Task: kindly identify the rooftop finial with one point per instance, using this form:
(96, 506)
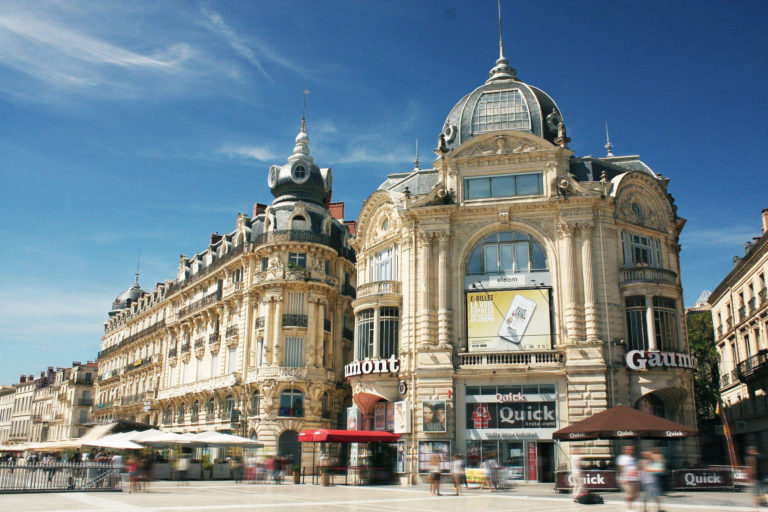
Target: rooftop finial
(138, 265)
(502, 70)
(416, 160)
(608, 145)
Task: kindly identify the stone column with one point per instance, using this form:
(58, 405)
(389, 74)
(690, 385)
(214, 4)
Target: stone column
(320, 336)
(649, 323)
(424, 330)
(568, 275)
(443, 282)
(590, 308)
(311, 337)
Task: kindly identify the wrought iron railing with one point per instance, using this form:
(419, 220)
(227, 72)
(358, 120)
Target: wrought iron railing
(200, 343)
(348, 290)
(231, 331)
(133, 337)
(59, 477)
(347, 334)
(647, 275)
(290, 320)
(185, 347)
(748, 368)
(199, 304)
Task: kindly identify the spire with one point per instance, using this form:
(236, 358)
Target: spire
(502, 70)
(302, 139)
(416, 160)
(608, 145)
(138, 265)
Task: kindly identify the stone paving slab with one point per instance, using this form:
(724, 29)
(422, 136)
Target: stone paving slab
(221, 496)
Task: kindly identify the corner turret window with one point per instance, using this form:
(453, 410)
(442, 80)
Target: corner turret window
(297, 260)
(299, 173)
(292, 403)
(501, 110)
(299, 222)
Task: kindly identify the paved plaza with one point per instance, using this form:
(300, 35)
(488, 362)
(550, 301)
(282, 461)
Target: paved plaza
(219, 496)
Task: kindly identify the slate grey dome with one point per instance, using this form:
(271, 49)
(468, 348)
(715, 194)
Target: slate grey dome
(300, 179)
(128, 297)
(502, 103)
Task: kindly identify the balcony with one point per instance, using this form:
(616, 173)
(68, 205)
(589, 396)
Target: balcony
(199, 304)
(647, 275)
(300, 235)
(348, 334)
(139, 363)
(519, 359)
(180, 285)
(173, 352)
(199, 343)
(290, 320)
(85, 402)
(725, 380)
(232, 331)
(753, 369)
(348, 290)
(378, 288)
(185, 348)
(133, 337)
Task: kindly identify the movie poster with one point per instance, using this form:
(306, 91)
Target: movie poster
(402, 423)
(509, 320)
(380, 416)
(433, 416)
(353, 418)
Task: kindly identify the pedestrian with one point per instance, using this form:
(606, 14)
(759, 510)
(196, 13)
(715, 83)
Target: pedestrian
(183, 469)
(649, 479)
(434, 475)
(628, 474)
(576, 473)
(457, 472)
(756, 471)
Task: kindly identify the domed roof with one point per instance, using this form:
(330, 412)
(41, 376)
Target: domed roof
(128, 297)
(502, 103)
(299, 179)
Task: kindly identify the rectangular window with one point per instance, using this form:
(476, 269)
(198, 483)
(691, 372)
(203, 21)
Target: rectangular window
(172, 377)
(232, 360)
(666, 320)
(636, 330)
(295, 303)
(641, 251)
(264, 264)
(365, 334)
(389, 332)
(259, 352)
(214, 364)
(294, 351)
(297, 260)
(508, 185)
(383, 265)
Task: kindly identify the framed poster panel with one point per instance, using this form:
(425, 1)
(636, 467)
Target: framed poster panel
(428, 449)
(402, 419)
(433, 416)
(353, 418)
(380, 416)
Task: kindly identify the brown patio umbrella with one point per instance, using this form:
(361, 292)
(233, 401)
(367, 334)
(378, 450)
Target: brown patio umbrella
(622, 422)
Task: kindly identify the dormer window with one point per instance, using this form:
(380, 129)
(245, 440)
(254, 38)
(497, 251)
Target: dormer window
(299, 222)
(299, 173)
(501, 110)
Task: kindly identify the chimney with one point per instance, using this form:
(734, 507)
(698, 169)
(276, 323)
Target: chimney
(30, 378)
(765, 220)
(258, 209)
(22, 379)
(337, 211)
(75, 363)
(351, 225)
(215, 237)
(736, 261)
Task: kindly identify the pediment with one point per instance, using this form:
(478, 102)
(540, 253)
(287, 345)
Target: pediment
(501, 144)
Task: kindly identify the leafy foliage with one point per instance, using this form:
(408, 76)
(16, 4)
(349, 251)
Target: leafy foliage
(701, 337)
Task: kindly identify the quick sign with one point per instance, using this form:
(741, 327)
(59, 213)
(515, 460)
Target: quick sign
(515, 415)
(369, 366)
(702, 479)
(646, 359)
(603, 480)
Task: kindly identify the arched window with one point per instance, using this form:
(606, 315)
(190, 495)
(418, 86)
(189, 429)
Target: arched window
(506, 252)
(211, 408)
(255, 403)
(196, 411)
(299, 222)
(652, 404)
(182, 413)
(292, 403)
(229, 404)
(168, 415)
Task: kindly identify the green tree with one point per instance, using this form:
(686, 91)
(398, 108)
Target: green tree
(706, 380)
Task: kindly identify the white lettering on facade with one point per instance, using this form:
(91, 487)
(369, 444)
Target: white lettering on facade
(367, 367)
(694, 480)
(644, 359)
(510, 397)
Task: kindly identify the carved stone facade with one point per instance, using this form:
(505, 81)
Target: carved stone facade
(574, 259)
(250, 338)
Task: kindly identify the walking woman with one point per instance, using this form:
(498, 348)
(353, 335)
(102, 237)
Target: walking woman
(434, 475)
(457, 472)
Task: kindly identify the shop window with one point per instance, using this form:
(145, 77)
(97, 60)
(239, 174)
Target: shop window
(506, 252)
(292, 403)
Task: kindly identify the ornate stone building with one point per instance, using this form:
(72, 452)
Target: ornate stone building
(740, 319)
(252, 335)
(514, 288)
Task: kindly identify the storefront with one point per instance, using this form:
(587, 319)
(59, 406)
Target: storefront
(512, 424)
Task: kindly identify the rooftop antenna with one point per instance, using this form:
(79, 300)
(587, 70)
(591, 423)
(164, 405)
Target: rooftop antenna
(138, 264)
(608, 145)
(501, 42)
(416, 161)
(305, 93)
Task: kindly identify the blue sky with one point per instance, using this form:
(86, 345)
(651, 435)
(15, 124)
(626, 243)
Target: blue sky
(147, 126)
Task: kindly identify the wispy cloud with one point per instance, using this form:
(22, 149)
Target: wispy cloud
(60, 56)
(251, 49)
(725, 236)
(260, 153)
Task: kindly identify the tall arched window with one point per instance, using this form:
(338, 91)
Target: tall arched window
(229, 404)
(211, 408)
(507, 252)
(299, 222)
(168, 415)
(292, 403)
(255, 403)
(182, 413)
(195, 411)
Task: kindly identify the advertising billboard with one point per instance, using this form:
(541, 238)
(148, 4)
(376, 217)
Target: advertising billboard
(509, 320)
(433, 416)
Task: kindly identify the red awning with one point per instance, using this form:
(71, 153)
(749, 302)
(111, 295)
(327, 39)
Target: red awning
(323, 435)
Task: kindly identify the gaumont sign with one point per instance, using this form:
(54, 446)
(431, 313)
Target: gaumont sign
(602, 480)
(702, 479)
(646, 359)
(369, 366)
